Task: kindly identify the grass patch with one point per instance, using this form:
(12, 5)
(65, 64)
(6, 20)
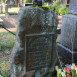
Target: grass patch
(3, 70)
(13, 9)
(6, 41)
(2, 15)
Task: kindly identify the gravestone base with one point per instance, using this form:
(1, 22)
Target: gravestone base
(66, 53)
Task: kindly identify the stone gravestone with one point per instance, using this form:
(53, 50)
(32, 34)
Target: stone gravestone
(73, 6)
(68, 47)
(35, 42)
(65, 3)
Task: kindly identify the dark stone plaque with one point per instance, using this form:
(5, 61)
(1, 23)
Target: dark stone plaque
(38, 51)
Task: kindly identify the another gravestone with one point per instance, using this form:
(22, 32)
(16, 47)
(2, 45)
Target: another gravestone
(65, 3)
(73, 6)
(68, 47)
(36, 27)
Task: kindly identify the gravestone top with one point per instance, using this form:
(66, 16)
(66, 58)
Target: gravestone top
(73, 6)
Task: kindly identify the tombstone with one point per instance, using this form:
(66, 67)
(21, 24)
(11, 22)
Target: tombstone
(65, 2)
(67, 48)
(73, 6)
(34, 52)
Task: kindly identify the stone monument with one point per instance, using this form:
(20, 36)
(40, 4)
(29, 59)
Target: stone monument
(35, 39)
(73, 7)
(68, 42)
(65, 2)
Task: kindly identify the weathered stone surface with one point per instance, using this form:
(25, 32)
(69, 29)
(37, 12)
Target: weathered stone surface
(69, 31)
(32, 20)
(73, 6)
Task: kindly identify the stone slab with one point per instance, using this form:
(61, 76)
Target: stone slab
(69, 31)
(66, 53)
(73, 7)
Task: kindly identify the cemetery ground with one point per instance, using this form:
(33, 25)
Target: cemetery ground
(6, 44)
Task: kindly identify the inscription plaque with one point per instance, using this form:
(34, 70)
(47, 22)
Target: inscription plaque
(38, 51)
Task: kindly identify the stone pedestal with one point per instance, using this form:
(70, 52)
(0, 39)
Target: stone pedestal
(67, 48)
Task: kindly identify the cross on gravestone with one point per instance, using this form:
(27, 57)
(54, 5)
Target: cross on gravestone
(73, 7)
(35, 30)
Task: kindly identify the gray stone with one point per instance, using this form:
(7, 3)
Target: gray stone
(64, 2)
(69, 31)
(32, 20)
(73, 6)
(7, 52)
